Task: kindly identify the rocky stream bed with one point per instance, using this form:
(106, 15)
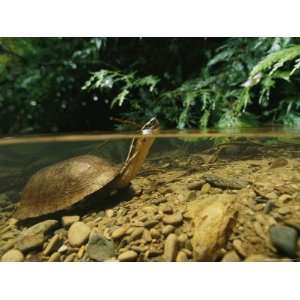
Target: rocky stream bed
(197, 209)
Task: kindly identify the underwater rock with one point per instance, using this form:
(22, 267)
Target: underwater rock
(277, 163)
(34, 236)
(231, 256)
(128, 256)
(78, 234)
(28, 241)
(181, 257)
(54, 257)
(257, 258)
(53, 245)
(119, 233)
(168, 229)
(212, 221)
(69, 220)
(174, 219)
(42, 227)
(13, 255)
(225, 183)
(284, 239)
(170, 247)
(70, 257)
(100, 248)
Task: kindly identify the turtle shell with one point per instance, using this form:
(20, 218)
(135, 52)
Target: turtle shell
(63, 184)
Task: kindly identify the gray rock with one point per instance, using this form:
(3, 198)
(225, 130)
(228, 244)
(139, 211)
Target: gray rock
(100, 248)
(13, 255)
(284, 239)
(78, 234)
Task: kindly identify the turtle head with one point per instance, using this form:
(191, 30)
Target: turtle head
(152, 126)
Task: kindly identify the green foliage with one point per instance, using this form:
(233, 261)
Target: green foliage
(127, 83)
(278, 70)
(77, 84)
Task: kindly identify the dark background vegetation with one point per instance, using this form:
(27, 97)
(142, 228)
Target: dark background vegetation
(79, 84)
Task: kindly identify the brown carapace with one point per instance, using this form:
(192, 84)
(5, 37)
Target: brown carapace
(60, 186)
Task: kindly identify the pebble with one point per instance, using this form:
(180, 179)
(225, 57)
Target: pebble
(279, 162)
(259, 230)
(53, 245)
(54, 257)
(168, 229)
(181, 257)
(119, 233)
(256, 258)
(170, 247)
(81, 252)
(272, 196)
(78, 234)
(155, 234)
(166, 209)
(205, 188)
(268, 207)
(174, 219)
(69, 220)
(151, 223)
(147, 236)
(63, 249)
(99, 248)
(237, 245)
(129, 255)
(231, 256)
(13, 255)
(70, 257)
(136, 233)
(197, 185)
(29, 241)
(284, 239)
(283, 210)
(109, 213)
(181, 239)
(150, 209)
(285, 198)
(42, 227)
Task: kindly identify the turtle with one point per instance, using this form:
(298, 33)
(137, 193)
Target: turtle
(69, 182)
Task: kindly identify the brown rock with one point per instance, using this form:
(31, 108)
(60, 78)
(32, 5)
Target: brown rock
(168, 229)
(78, 234)
(174, 219)
(170, 247)
(136, 233)
(238, 246)
(13, 255)
(155, 234)
(54, 257)
(70, 257)
(212, 220)
(279, 162)
(53, 245)
(128, 256)
(67, 221)
(231, 256)
(119, 233)
(181, 257)
(28, 242)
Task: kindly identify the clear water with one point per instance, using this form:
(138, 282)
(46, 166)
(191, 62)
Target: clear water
(185, 155)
